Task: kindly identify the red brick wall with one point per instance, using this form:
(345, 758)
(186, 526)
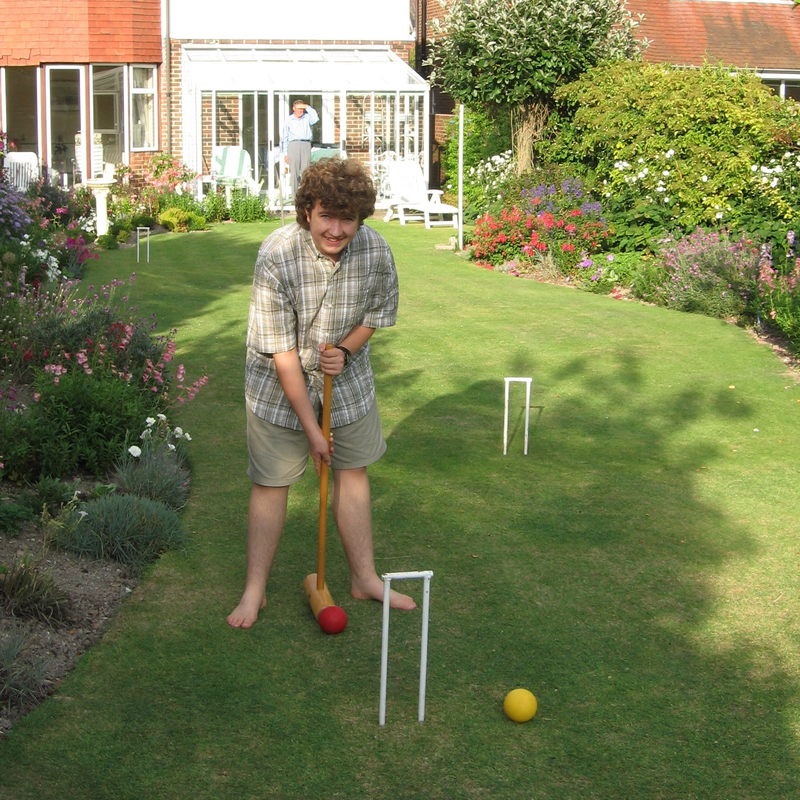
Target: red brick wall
(80, 31)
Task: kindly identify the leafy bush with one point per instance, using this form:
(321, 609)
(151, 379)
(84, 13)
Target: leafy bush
(214, 208)
(177, 219)
(22, 681)
(247, 207)
(487, 161)
(604, 273)
(707, 272)
(107, 241)
(80, 424)
(129, 529)
(674, 149)
(12, 515)
(28, 591)
(47, 495)
(779, 299)
(60, 330)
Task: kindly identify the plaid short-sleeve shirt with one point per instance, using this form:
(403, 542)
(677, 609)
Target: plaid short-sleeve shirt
(302, 299)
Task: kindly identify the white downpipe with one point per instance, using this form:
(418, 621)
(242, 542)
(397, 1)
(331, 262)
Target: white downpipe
(461, 176)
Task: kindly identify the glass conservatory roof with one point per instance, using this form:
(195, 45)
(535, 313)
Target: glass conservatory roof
(321, 69)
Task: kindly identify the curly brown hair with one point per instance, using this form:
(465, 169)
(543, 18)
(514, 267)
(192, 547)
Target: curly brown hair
(342, 186)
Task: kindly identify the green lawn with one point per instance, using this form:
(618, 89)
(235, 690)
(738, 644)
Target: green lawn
(637, 570)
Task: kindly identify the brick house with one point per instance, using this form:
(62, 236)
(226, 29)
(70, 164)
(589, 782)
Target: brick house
(85, 82)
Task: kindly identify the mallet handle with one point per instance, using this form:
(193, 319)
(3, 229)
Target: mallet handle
(327, 392)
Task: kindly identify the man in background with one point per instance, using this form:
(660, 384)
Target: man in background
(296, 141)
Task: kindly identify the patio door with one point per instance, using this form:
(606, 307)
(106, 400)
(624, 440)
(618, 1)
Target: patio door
(65, 120)
(108, 113)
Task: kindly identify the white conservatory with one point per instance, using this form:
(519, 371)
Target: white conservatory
(372, 105)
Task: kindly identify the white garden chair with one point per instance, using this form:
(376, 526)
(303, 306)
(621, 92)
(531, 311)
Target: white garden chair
(232, 168)
(22, 169)
(410, 199)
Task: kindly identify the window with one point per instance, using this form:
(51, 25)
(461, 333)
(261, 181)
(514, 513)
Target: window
(785, 89)
(143, 108)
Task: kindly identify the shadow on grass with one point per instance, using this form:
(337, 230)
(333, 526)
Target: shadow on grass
(585, 571)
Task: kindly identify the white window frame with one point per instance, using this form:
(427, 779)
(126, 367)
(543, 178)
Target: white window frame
(150, 92)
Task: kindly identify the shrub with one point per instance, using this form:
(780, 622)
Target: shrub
(129, 529)
(779, 299)
(674, 149)
(28, 591)
(22, 681)
(707, 272)
(214, 208)
(247, 207)
(107, 241)
(12, 516)
(80, 423)
(47, 495)
(603, 273)
(179, 220)
(19, 452)
(487, 161)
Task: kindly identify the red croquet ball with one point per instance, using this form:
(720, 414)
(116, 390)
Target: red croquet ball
(332, 619)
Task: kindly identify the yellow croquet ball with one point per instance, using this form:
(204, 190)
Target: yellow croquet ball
(520, 705)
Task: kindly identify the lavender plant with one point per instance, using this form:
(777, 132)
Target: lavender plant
(707, 272)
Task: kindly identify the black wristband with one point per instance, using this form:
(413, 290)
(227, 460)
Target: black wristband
(347, 354)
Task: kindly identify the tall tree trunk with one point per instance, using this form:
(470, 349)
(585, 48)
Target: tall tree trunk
(527, 124)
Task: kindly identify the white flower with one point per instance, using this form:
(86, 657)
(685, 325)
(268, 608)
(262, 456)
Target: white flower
(178, 432)
(669, 153)
(135, 451)
(170, 447)
(704, 179)
(150, 421)
(161, 417)
(665, 173)
(187, 437)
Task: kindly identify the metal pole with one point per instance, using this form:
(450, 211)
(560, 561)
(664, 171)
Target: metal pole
(423, 653)
(461, 177)
(387, 580)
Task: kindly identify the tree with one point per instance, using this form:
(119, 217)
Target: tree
(509, 56)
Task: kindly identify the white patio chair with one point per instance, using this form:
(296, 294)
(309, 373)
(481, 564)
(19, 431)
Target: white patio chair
(22, 169)
(411, 200)
(231, 167)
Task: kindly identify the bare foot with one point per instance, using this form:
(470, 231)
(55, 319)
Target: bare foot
(373, 590)
(245, 614)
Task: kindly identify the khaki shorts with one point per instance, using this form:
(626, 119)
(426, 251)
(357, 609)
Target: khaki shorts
(278, 456)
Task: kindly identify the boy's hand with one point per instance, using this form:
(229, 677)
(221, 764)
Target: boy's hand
(331, 361)
(320, 449)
